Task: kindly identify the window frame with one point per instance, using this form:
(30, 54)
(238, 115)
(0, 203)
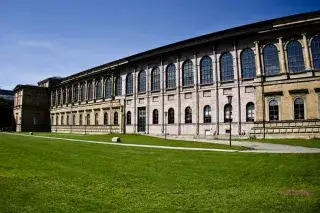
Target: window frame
(248, 64)
(207, 118)
(188, 115)
(271, 60)
(171, 76)
(226, 67)
(155, 79)
(295, 57)
(142, 82)
(170, 116)
(155, 116)
(187, 73)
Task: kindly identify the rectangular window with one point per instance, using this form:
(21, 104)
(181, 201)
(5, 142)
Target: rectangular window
(207, 93)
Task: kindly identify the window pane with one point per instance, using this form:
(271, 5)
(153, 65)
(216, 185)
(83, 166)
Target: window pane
(299, 108)
(295, 57)
(118, 85)
(108, 88)
(188, 115)
(171, 76)
(248, 65)
(315, 48)
(155, 79)
(142, 81)
(155, 116)
(170, 116)
(99, 90)
(207, 114)
(187, 73)
(273, 110)
(271, 60)
(226, 66)
(206, 70)
(129, 84)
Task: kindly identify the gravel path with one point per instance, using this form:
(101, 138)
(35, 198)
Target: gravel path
(258, 147)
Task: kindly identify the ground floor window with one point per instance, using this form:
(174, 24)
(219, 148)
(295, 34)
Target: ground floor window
(273, 110)
(298, 109)
(115, 118)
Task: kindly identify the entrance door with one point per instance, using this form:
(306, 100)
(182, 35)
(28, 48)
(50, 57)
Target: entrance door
(141, 119)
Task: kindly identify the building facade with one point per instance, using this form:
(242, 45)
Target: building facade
(6, 110)
(271, 70)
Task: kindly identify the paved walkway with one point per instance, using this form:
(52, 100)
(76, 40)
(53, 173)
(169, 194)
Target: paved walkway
(258, 147)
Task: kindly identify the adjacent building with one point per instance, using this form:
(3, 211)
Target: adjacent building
(270, 68)
(6, 110)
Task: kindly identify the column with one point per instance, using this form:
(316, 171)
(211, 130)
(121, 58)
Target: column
(306, 52)
(178, 95)
(94, 89)
(134, 116)
(282, 57)
(86, 85)
(72, 94)
(148, 94)
(103, 85)
(112, 87)
(216, 87)
(67, 96)
(61, 97)
(258, 62)
(238, 89)
(79, 92)
(197, 94)
(162, 95)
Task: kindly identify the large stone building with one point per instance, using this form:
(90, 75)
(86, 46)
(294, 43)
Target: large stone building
(6, 110)
(270, 68)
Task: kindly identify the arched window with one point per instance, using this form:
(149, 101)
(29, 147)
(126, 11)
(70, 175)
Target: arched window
(315, 49)
(171, 116)
(64, 96)
(115, 118)
(250, 111)
(75, 93)
(51, 121)
(105, 118)
(96, 119)
(226, 67)
(99, 90)
(108, 88)
(118, 85)
(273, 110)
(62, 120)
(228, 113)
(155, 116)
(69, 95)
(271, 60)
(73, 119)
(206, 70)
(90, 91)
(59, 97)
(171, 76)
(207, 114)
(83, 92)
(80, 119)
(68, 120)
(128, 118)
(142, 81)
(53, 94)
(57, 120)
(187, 73)
(188, 115)
(129, 84)
(298, 109)
(155, 79)
(88, 119)
(295, 57)
(248, 65)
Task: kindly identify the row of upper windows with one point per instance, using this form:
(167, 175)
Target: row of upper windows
(271, 65)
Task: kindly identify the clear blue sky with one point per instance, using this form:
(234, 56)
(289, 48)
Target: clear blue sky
(42, 38)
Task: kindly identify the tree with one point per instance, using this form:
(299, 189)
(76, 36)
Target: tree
(3, 101)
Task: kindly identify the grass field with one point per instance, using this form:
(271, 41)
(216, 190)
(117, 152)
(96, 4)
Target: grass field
(315, 143)
(43, 175)
(141, 139)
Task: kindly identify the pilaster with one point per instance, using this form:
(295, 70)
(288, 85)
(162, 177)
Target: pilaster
(306, 52)
(282, 56)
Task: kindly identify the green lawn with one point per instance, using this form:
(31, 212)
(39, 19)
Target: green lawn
(141, 139)
(44, 175)
(315, 143)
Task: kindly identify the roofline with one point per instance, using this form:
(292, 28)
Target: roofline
(192, 42)
(22, 86)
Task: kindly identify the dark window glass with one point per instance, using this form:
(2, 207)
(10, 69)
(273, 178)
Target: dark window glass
(299, 109)
(128, 118)
(90, 91)
(67, 119)
(118, 85)
(105, 118)
(80, 120)
(315, 49)
(171, 116)
(273, 110)
(188, 115)
(88, 119)
(108, 88)
(115, 118)
(295, 57)
(53, 99)
(96, 119)
(171, 76)
(59, 97)
(142, 81)
(250, 111)
(206, 70)
(57, 120)
(226, 66)
(271, 60)
(75, 93)
(248, 65)
(83, 92)
(73, 119)
(62, 120)
(129, 84)
(228, 113)
(155, 79)
(99, 90)
(155, 116)
(69, 95)
(64, 96)
(187, 73)
(207, 114)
